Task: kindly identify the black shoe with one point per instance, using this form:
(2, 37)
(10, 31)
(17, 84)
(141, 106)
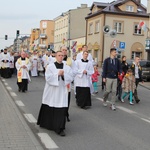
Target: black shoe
(68, 119)
(19, 90)
(62, 133)
(119, 98)
(137, 101)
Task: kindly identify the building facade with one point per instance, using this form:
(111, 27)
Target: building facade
(121, 20)
(46, 37)
(70, 29)
(35, 33)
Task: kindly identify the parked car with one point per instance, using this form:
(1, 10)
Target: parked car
(145, 64)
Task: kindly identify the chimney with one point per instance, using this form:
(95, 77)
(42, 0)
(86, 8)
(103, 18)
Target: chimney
(148, 6)
(83, 5)
(139, 1)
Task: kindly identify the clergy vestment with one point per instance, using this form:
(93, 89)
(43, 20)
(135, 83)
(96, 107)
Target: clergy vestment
(83, 82)
(52, 114)
(68, 61)
(34, 67)
(5, 69)
(23, 74)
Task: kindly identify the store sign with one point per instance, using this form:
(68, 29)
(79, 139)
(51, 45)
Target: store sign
(147, 44)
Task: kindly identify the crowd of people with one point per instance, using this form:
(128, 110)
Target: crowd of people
(60, 70)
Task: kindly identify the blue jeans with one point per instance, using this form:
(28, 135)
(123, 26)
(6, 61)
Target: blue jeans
(130, 94)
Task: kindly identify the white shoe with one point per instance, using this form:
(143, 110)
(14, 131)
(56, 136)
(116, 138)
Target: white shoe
(131, 103)
(122, 100)
(113, 107)
(104, 104)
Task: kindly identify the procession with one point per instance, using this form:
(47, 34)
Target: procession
(75, 75)
(61, 72)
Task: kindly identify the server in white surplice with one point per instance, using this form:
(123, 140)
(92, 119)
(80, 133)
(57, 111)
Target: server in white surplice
(55, 96)
(83, 81)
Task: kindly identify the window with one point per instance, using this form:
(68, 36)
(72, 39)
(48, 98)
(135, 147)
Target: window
(118, 26)
(129, 8)
(90, 28)
(97, 27)
(137, 30)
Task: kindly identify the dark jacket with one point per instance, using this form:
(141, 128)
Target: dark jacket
(111, 70)
(124, 66)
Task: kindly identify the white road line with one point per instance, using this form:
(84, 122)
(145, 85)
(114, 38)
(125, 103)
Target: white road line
(19, 103)
(145, 120)
(100, 99)
(13, 94)
(47, 141)
(30, 118)
(126, 110)
(9, 88)
(6, 83)
(3, 80)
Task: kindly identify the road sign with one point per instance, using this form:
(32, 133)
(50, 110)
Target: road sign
(122, 45)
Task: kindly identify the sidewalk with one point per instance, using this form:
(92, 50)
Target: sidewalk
(15, 134)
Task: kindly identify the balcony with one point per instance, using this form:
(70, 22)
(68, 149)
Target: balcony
(42, 46)
(43, 36)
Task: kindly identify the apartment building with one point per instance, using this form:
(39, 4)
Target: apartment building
(46, 38)
(116, 24)
(70, 29)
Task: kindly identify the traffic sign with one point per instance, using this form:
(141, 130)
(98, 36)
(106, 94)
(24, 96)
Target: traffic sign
(122, 45)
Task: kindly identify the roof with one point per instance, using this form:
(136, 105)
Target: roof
(113, 8)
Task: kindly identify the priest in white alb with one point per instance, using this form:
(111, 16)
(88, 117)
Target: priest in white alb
(52, 114)
(83, 81)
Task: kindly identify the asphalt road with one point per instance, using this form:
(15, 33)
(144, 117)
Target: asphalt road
(97, 128)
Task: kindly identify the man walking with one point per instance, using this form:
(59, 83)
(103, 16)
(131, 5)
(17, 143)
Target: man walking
(23, 66)
(52, 114)
(137, 72)
(111, 69)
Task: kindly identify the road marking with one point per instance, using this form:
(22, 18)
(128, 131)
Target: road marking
(100, 99)
(9, 88)
(126, 110)
(19, 103)
(13, 94)
(47, 141)
(6, 83)
(30, 118)
(3, 80)
(145, 120)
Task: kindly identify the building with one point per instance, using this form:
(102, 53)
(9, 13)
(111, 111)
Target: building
(25, 44)
(70, 29)
(35, 33)
(116, 24)
(46, 37)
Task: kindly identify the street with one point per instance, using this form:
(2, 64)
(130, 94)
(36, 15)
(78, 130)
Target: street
(97, 128)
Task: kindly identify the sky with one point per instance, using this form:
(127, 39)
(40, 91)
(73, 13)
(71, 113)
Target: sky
(26, 15)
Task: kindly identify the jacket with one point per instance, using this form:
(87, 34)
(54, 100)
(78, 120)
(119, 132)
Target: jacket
(128, 83)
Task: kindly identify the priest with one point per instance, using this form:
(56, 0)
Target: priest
(83, 81)
(23, 66)
(70, 62)
(52, 114)
(5, 69)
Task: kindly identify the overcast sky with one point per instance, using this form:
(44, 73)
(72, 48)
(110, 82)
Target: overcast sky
(24, 15)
